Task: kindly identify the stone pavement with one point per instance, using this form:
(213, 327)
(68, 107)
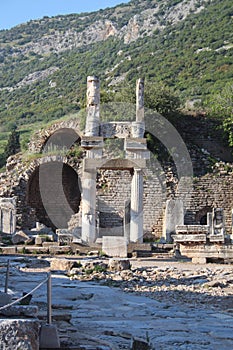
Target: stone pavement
(109, 316)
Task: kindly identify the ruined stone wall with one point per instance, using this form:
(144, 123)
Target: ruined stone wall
(15, 183)
(211, 190)
(114, 189)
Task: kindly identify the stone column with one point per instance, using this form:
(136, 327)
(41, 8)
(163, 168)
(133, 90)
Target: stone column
(136, 222)
(210, 222)
(138, 127)
(140, 100)
(93, 106)
(127, 220)
(89, 207)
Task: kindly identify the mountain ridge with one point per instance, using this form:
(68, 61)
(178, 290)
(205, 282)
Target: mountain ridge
(44, 63)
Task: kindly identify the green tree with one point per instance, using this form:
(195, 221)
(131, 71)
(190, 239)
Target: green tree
(221, 106)
(13, 144)
(162, 99)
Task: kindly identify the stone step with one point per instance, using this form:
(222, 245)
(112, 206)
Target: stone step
(151, 254)
(56, 315)
(20, 311)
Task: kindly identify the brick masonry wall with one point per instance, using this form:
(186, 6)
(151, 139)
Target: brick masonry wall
(114, 189)
(209, 191)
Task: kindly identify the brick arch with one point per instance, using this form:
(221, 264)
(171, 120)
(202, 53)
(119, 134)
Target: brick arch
(71, 189)
(17, 185)
(40, 138)
(62, 138)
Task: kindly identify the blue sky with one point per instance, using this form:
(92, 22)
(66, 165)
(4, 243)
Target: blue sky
(13, 12)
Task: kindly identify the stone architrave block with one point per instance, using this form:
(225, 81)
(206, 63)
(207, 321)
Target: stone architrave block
(115, 246)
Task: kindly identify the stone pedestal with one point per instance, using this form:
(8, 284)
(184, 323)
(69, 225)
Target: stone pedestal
(136, 222)
(7, 215)
(115, 246)
(89, 207)
(174, 216)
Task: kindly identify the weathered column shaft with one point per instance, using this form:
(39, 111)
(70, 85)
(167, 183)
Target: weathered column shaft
(138, 127)
(136, 222)
(89, 207)
(127, 220)
(140, 100)
(93, 107)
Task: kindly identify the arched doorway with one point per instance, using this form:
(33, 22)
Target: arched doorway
(201, 215)
(56, 215)
(61, 139)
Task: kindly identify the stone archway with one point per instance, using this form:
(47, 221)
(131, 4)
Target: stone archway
(71, 189)
(41, 137)
(61, 139)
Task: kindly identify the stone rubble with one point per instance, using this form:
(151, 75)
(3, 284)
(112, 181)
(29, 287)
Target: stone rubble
(203, 286)
(172, 305)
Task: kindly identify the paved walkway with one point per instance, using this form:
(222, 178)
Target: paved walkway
(112, 316)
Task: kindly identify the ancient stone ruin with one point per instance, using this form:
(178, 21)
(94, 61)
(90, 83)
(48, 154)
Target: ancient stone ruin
(101, 198)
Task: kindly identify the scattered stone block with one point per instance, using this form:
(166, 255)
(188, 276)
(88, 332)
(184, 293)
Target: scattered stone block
(49, 244)
(139, 246)
(64, 236)
(40, 239)
(37, 263)
(119, 264)
(59, 250)
(62, 264)
(21, 334)
(19, 237)
(93, 252)
(8, 250)
(115, 246)
(32, 250)
(199, 260)
(215, 283)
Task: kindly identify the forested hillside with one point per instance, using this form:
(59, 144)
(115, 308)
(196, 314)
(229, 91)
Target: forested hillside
(186, 45)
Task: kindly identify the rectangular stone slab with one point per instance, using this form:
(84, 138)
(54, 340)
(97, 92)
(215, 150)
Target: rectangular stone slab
(115, 246)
